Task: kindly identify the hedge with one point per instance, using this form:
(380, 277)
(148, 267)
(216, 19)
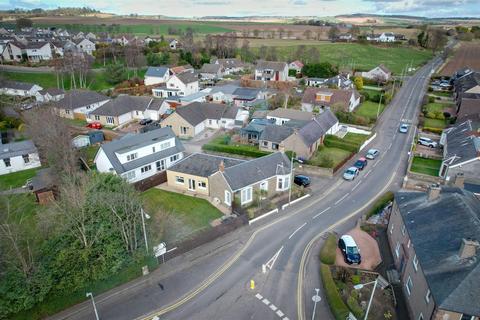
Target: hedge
(337, 306)
(329, 250)
(353, 305)
(240, 150)
(380, 203)
(433, 130)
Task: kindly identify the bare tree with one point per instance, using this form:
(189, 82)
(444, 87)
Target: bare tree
(231, 44)
(333, 32)
(307, 33)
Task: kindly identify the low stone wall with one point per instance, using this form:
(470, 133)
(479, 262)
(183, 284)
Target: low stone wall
(313, 170)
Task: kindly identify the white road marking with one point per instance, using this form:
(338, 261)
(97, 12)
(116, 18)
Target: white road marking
(286, 318)
(266, 302)
(259, 296)
(280, 313)
(298, 229)
(321, 213)
(355, 187)
(341, 199)
(271, 262)
(376, 163)
(273, 307)
(366, 175)
(389, 146)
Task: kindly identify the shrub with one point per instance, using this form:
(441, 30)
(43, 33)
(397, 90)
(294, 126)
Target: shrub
(431, 99)
(439, 115)
(447, 115)
(337, 306)
(380, 203)
(430, 114)
(328, 252)
(355, 279)
(433, 130)
(353, 305)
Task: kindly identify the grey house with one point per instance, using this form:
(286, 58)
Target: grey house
(434, 238)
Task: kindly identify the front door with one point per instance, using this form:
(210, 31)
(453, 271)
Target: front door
(191, 184)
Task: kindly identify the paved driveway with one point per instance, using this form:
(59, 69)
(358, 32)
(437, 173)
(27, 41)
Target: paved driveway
(369, 251)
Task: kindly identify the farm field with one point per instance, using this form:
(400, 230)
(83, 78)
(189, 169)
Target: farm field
(466, 56)
(361, 57)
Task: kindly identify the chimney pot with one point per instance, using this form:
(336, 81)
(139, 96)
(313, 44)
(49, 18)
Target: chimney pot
(221, 166)
(468, 248)
(433, 192)
(459, 180)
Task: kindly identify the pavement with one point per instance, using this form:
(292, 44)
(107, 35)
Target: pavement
(214, 280)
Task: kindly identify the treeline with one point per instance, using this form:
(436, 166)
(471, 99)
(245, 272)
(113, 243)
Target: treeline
(39, 12)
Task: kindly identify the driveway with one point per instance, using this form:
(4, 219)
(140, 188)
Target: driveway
(195, 144)
(369, 251)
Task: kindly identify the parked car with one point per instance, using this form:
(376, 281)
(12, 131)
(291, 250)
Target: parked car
(403, 128)
(350, 173)
(94, 125)
(427, 142)
(372, 154)
(361, 163)
(144, 122)
(350, 250)
(301, 180)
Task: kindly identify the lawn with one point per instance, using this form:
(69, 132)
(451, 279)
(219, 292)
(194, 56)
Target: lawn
(16, 179)
(328, 157)
(434, 123)
(96, 80)
(369, 109)
(426, 166)
(436, 107)
(176, 216)
(363, 56)
(223, 144)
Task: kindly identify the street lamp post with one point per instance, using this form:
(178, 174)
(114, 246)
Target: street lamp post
(360, 286)
(291, 178)
(144, 229)
(89, 294)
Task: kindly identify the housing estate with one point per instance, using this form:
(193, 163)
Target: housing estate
(230, 65)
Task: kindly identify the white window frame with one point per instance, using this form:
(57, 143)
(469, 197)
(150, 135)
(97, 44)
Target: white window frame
(165, 145)
(160, 164)
(246, 195)
(132, 156)
(7, 162)
(97, 117)
(420, 316)
(397, 249)
(408, 243)
(284, 181)
(146, 168)
(179, 180)
(130, 175)
(409, 289)
(228, 198)
(110, 120)
(415, 262)
(26, 158)
(427, 296)
(174, 158)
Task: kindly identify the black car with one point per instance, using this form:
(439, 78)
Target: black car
(360, 163)
(349, 249)
(301, 180)
(145, 121)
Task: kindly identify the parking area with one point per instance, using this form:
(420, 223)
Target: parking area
(368, 247)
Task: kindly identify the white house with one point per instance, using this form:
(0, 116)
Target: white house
(325, 98)
(386, 37)
(271, 71)
(13, 51)
(38, 51)
(181, 85)
(18, 156)
(20, 89)
(230, 65)
(79, 103)
(140, 156)
(85, 45)
(296, 65)
(379, 73)
(50, 94)
(211, 71)
(156, 75)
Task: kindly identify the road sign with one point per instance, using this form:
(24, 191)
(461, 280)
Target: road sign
(160, 250)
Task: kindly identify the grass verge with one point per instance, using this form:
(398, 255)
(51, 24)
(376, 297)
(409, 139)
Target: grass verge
(328, 252)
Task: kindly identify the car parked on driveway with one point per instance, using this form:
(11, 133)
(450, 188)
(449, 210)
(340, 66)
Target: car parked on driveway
(427, 142)
(361, 163)
(349, 249)
(144, 122)
(94, 125)
(301, 180)
(350, 173)
(403, 128)
(372, 154)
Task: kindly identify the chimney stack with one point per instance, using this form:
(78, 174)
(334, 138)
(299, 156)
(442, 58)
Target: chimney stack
(433, 192)
(468, 248)
(221, 166)
(459, 180)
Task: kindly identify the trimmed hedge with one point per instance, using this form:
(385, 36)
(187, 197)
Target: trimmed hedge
(240, 150)
(380, 203)
(329, 250)
(353, 305)
(433, 130)
(337, 306)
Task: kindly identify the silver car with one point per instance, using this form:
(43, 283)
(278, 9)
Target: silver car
(372, 154)
(403, 128)
(427, 142)
(350, 173)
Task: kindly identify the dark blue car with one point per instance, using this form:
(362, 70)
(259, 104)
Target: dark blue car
(349, 249)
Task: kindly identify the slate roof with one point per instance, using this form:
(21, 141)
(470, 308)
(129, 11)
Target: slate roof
(52, 91)
(467, 82)
(210, 68)
(135, 141)
(243, 93)
(44, 179)
(15, 149)
(35, 45)
(156, 71)
(187, 77)
(275, 133)
(225, 89)
(338, 96)
(256, 170)
(79, 98)
(230, 63)
(197, 112)
(123, 104)
(462, 143)
(291, 114)
(384, 69)
(8, 84)
(436, 229)
(203, 165)
(270, 65)
(318, 127)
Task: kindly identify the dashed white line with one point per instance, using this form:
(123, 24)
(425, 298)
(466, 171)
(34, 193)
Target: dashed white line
(259, 296)
(366, 175)
(376, 163)
(320, 213)
(341, 199)
(273, 307)
(355, 187)
(389, 146)
(266, 302)
(280, 313)
(298, 229)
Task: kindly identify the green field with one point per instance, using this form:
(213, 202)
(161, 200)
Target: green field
(328, 157)
(142, 29)
(369, 109)
(430, 167)
(361, 56)
(16, 179)
(435, 123)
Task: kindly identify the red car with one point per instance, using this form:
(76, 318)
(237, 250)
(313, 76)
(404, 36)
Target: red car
(94, 125)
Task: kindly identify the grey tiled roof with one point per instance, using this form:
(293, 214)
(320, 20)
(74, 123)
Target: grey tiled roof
(436, 229)
(244, 93)
(187, 77)
(196, 112)
(133, 142)
(276, 133)
(256, 170)
(203, 165)
(318, 127)
(15, 149)
(16, 85)
(210, 68)
(273, 65)
(79, 98)
(123, 104)
(156, 71)
(290, 114)
(462, 144)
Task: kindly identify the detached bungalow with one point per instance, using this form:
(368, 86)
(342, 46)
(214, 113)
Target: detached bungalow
(296, 65)
(190, 120)
(18, 156)
(20, 89)
(323, 98)
(77, 104)
(281, 116)
(140, 156)
(239, 184)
